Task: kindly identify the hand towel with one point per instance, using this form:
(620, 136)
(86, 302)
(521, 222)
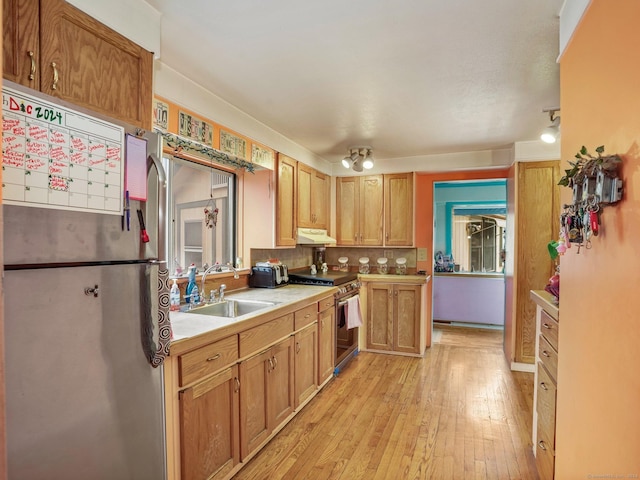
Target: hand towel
(353, 313)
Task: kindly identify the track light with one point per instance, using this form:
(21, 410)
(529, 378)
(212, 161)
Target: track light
(358, 159)
(551, 133)
(350, 159)
(368, 160)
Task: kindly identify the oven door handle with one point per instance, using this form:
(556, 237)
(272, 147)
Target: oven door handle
(342, 303)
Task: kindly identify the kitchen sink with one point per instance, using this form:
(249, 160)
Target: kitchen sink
(232, 308)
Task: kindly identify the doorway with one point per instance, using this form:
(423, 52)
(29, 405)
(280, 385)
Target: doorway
(469, 241)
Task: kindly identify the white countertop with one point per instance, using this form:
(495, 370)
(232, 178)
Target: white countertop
(187, 325)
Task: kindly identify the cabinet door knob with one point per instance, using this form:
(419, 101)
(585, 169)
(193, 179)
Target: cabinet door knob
(547, 326)
(543, 386)
(54, 86)
(297, 347)
(237, 382)
(275, 362)
(542, 445)
(545, 353)
(215, 357)
(31, 54)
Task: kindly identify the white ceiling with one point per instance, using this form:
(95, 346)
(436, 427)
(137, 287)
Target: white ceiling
(408, 77)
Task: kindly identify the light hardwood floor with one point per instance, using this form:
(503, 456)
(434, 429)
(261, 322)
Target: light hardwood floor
(458, 413)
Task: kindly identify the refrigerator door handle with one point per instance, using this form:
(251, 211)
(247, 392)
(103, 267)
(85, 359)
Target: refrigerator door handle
(158, 335)
(153, 161)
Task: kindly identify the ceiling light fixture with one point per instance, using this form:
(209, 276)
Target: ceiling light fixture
(359, 158)
(551, 133)
(349, 160)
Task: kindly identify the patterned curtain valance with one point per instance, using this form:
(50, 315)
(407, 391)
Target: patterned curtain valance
(203, 151)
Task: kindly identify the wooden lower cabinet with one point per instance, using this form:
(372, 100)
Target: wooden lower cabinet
(306, 363)
(393, 317)
(210, 433)
(266, 394)
(326, 343)
(546, 383)
(227, 398)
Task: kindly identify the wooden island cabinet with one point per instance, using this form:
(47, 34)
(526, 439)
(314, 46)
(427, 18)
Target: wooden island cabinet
(396, 314)
(55, 48)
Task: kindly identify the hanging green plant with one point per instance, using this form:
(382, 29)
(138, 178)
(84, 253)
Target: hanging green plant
(587, 165)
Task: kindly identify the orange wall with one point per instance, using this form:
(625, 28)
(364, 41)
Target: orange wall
(598, 409)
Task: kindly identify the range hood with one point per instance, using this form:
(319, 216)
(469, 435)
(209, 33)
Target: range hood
(314, 236)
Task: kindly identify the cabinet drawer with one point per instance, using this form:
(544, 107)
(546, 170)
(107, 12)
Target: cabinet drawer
(306, 316)
(549, 357)
(257, 338)
(326, 303)
(208, 359)
(546, 403)
(549, 328)
(545, 455)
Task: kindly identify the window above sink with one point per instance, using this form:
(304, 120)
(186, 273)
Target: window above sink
(201, 215)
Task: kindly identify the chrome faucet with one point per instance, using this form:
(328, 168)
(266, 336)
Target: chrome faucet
(204, 277)
(235, 271)
(222, 289)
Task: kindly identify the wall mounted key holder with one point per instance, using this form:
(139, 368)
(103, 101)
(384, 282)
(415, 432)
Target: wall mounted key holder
(595, 183)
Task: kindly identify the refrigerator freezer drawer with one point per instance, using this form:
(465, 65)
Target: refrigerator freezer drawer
(82, 400)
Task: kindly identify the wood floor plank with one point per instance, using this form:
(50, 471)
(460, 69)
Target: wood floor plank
(457, 413)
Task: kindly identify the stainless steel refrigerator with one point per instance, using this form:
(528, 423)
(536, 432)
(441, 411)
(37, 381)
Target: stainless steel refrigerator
(86, 330)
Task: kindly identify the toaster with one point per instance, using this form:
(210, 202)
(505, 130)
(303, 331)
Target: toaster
(269, 276)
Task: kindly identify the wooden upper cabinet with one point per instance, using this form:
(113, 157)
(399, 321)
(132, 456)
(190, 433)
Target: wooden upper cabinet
(313, 192)
(320, 187)
(359, 210)
(398, 209)
(347, 210)
(371, 210)
(77, 59)
(286, 201)
(21, 42)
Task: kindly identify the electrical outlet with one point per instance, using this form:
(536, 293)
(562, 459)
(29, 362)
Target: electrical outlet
(388, 254)
(422, 254)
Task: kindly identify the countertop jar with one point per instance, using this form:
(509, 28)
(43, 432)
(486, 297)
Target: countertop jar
(343, 264)
(382, 266)
(401, 266)
(364, 265)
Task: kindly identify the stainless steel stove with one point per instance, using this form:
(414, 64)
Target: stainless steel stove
(331, 278)
(346, 340)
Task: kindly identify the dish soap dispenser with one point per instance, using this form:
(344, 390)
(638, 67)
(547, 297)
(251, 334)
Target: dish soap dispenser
(174, 297)
(192, 289)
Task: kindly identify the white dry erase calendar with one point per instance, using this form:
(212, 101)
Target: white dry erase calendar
(55, 157)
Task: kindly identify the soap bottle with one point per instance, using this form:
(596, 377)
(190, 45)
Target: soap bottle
(195, 295)
(191, 285)
(174, 296)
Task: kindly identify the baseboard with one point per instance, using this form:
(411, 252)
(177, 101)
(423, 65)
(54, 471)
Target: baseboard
(523, 367)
